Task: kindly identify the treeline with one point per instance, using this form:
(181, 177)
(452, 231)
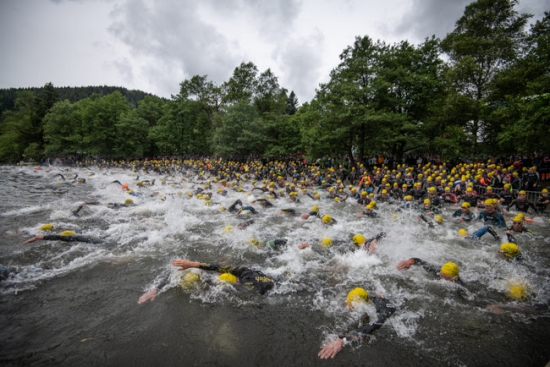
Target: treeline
(482, 90)
(72, 94)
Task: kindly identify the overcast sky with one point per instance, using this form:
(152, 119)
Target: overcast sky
(153, 45)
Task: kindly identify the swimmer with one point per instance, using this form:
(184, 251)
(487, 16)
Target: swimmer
(251, 279)
(273, 244)
(369, 245)
(233, 207)
(245, 224)
(65, 237)
(383, 311)
(249, 208)
(449, 271)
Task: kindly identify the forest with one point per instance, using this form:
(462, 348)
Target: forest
(483, 90)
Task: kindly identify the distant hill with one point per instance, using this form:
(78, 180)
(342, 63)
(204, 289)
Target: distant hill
(73, 94)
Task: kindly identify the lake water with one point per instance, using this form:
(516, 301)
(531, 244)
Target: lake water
(75, 304)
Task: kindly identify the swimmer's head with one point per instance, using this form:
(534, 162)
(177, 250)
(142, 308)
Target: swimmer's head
(189, 280)
(327, 219)
(449, 270)
(509, 249)
(518, 291)
(228, 278)
(68, 233)
(357, 295)
(47, 227)
(326, 242)
(315, 208)
(358, 239)
(439, 219)
(128, 201)
(462, 232)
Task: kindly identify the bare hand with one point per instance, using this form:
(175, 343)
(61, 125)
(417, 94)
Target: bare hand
(332, 348)
(303, 245)
(148, 296)
(184, 264)
(496, 309)
(372, 247)
(32, 240)
(405, 264)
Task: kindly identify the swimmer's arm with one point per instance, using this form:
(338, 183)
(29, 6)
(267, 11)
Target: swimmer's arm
(152, 293)
(36, 238)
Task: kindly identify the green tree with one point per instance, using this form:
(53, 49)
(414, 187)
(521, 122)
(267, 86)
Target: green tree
(100, 118)
(242, 84)
(486, 39)
(241, 132)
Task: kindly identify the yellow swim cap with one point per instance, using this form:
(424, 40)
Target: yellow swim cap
(427, 201)
(509, 249)
(189, 193)
(128, 201)
(227, 229)
(450, 269)
(357, 295)
(47, 227)
(358, 240)
(522, 192)
(489, 202)
(228, 277)
(222, 208)
(518, 291)
(326, 242)
(372, 204)
(438, 219)
(255, 242)
(466, 205)
(327, 219)
(314, 208)
(189, 280)
(68, 233)
(517, 218)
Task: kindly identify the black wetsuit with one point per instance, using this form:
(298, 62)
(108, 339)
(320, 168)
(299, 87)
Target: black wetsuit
(472, 200)
(55, 237)
(466, 217)
(251, 279)
(274, 244)
(433, 269)
(383, 310)
(522, 206)
(492, 218)
(233, 207)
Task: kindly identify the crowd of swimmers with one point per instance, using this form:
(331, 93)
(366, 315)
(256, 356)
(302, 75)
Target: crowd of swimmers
(482, 192)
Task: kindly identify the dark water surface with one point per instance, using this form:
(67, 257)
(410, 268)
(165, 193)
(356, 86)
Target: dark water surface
(75, 304)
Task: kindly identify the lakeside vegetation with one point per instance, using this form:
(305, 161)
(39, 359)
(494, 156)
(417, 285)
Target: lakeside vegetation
(482, 90)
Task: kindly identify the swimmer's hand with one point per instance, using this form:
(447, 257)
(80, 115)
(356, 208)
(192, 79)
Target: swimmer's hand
(405, 264)
(332, 348)
(184, 264)
(32, 240)
(148, 296)
(303, 245)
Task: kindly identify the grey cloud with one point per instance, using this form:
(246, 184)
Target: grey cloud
(429, 17)
(172, 39)
(301, 61)
(439, 17)
(124, 68)
(275, 19)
